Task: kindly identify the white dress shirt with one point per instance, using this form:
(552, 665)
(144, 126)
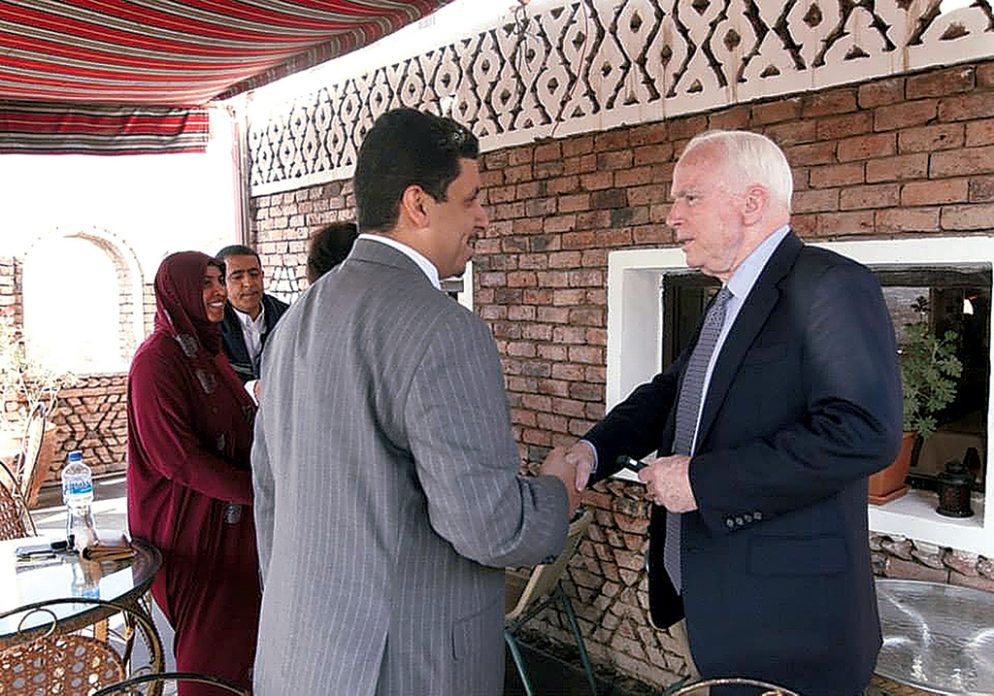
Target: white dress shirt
(252, 330)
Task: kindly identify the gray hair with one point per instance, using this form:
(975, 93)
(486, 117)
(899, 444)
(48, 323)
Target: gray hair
(757, 158)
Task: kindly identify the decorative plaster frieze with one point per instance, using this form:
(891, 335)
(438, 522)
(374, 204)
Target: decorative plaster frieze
(559, 68)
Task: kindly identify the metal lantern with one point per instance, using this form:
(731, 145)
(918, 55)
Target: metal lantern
(955, 484)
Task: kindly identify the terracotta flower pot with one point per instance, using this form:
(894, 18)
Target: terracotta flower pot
(888, 484)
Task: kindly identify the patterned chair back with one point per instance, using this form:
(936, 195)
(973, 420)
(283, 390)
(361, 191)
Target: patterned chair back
(76, 654)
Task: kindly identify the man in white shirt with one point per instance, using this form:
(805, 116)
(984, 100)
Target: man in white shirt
(249, 314)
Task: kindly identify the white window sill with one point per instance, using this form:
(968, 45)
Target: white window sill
(634, 355)
(914, 516)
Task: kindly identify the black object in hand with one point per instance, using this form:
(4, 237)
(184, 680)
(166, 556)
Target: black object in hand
(626, 462)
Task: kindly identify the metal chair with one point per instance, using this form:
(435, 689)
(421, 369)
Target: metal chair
(698, 688)
(15, 519)
(27, 461)
(141, 685)
(527, 596)
(57, 655)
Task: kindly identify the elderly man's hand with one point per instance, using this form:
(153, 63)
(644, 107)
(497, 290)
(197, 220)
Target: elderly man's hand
(581, 456)
(667, 481)
(559, 464)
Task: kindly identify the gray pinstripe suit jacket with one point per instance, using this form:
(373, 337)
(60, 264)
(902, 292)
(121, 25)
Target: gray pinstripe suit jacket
(387, 500)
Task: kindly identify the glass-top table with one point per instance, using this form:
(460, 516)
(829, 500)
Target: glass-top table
(937, 637)
(66, 575)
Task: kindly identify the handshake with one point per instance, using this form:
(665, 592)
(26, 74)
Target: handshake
(572, 466)
(667, 479)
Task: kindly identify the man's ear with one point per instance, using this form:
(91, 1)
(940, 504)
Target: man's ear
(755, 201)
(413, 205)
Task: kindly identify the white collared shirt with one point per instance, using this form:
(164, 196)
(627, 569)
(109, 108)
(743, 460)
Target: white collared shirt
(426, 266)
(252, 330)
(739, 285)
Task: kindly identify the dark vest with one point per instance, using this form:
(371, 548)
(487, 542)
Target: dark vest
(234, 340)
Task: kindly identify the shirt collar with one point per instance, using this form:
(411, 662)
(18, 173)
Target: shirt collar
(426, 266)
(247, 321)
(746, 275)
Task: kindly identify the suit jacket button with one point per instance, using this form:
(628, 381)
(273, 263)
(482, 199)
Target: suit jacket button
(738, 521)
(747, 517)
(757, 516)
(729, 522)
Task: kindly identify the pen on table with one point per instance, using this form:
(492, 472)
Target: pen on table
(37, 559)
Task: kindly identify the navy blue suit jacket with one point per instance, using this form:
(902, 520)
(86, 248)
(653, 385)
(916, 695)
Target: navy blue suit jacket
(804, 403)
(234, 339)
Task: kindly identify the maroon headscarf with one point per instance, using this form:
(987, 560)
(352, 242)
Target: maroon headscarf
(179, 299)
(180, 313)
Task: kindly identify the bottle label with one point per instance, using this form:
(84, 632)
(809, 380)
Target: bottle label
(77, 487)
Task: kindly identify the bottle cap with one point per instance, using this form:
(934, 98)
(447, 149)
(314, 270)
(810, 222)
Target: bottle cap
(75, 456)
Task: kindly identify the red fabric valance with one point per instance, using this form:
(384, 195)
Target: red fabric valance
(124, 76)
(82, 129)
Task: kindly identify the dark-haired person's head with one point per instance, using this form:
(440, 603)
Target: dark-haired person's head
(329, 247)
(243, 278)
(417, 180)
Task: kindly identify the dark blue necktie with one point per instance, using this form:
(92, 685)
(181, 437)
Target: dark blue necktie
(687, 411)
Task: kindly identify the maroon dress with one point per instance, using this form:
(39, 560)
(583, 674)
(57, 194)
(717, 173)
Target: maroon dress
(189, 482)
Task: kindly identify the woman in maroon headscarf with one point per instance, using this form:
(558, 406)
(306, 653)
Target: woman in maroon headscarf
(189, 483)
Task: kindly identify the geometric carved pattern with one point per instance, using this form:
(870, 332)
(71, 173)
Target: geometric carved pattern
(581, 65)
(285, 283)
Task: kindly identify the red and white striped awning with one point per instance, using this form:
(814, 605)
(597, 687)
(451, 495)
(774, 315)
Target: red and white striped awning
(125, 76)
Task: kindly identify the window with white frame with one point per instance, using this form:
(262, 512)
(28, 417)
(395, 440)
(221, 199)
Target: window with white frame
(654, 301)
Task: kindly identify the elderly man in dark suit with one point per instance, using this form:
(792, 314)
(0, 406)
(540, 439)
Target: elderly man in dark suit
(766, 429)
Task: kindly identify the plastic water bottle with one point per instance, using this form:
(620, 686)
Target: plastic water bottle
(85, 580)
(77, 493)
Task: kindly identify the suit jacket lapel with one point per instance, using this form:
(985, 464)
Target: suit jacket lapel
(750, 320)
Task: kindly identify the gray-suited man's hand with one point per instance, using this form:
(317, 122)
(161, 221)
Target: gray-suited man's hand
(557, 464)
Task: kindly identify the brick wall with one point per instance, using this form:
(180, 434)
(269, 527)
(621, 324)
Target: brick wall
(897, 557)
(148, 304)
(912, 155)
(8, 296)
(282, 223)
(10, 304)
(90, 416)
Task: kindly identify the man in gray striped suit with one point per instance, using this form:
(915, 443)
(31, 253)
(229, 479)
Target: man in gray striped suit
(387, 495)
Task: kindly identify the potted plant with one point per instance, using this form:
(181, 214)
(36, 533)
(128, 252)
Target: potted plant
(24, 384)
(929, 374)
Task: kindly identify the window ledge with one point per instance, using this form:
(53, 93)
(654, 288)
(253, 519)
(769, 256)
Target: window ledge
(914, 516)
(634, 355)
